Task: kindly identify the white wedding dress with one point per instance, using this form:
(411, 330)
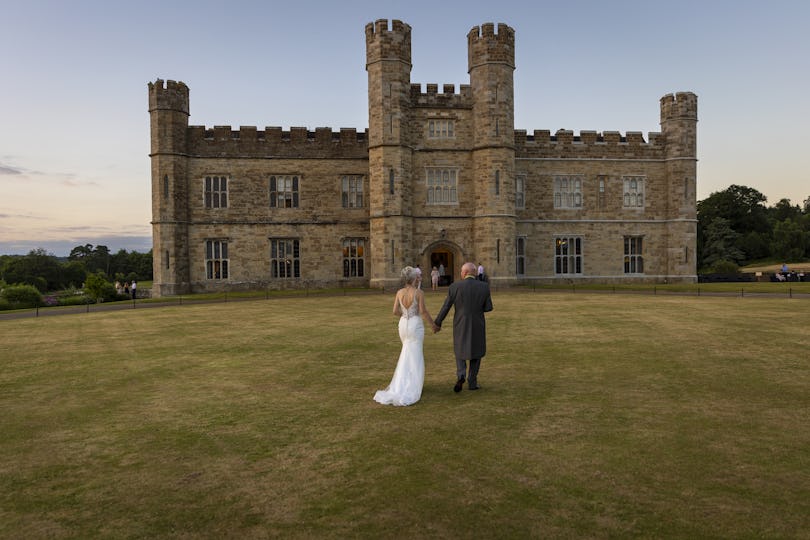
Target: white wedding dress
(409, 375)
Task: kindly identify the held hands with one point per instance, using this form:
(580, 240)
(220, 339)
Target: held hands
(436, 328)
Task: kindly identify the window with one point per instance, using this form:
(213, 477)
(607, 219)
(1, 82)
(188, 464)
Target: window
(441, 129)
(497, 183)
(520, 192)
(216, 259)
(166, 186)
(520, 256)
(441, 186)
(568, 255)
(352, 191)
(633, 260)
(600, 196)
(567, 191)
(354, 257)
(391, 181)
(285, 258)
(166, 257)
(633, 192)
(284, 192)
(216, 192)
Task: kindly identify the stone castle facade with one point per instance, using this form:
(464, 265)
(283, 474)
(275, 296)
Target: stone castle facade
(439, 177)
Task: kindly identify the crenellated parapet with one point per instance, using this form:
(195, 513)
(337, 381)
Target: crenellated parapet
(446, 98)
(588, 145)
(681, 105)
(297, 142)
(383, 43)
(168, 95)
(485, 46)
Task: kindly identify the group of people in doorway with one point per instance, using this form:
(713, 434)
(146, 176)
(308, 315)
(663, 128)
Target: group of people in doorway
(470, 299)
(437, 275)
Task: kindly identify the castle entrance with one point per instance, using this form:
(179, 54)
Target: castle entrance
(443, 259)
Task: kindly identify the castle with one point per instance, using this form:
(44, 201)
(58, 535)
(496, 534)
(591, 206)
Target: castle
(439, 177)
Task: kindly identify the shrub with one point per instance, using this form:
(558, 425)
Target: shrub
(22, 296)
(725, 267)
(99, 288)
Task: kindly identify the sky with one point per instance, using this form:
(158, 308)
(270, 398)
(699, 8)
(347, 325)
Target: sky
(74, 126)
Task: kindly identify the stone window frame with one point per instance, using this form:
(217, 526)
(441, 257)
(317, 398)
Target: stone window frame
(633, 192)
(217, 262)
(283, 189)
(354, 257)
(285, 258)
(441, 185)
(351, 191)
(520, 255)
(215, 191)
(634, 254)
(568, 255)
(520, 191)
(568, 191)
(441, 128)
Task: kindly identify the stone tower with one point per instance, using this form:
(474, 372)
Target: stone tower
(168, 115)
(679, 128)
(491, 65)
(388, 63)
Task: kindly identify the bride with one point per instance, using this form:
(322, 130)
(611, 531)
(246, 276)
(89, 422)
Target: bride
(409, 376)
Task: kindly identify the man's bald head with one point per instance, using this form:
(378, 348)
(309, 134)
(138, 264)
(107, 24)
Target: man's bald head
(468, 269)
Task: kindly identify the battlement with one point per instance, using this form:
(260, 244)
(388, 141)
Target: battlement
(248, 141)
(383, 43)
(681, 105)
(588, 144)
(484, 46)
(172, 96)
(447, 98)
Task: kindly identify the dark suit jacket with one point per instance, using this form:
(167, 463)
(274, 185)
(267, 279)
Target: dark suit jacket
(470, 299)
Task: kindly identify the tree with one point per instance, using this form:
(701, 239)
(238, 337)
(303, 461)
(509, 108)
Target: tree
(789, 240)
(94, 259)
(39, 268)
(744, 210)
(98, 288)
(784, 210)
(720, 244)
(743, 207)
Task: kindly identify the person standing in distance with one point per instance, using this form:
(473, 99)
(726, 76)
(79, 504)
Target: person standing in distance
(470, 299)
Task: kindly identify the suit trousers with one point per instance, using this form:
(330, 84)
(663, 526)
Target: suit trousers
(472, 376)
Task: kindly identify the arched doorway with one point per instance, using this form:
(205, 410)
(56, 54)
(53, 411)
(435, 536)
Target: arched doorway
(443, 258)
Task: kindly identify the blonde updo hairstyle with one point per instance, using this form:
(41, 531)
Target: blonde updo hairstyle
(409, 275)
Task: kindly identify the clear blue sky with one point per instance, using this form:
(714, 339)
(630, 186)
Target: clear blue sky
(74, 140)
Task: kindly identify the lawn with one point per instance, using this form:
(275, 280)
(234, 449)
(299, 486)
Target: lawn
(601, 415)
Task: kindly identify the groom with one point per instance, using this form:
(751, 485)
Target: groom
(470, 300)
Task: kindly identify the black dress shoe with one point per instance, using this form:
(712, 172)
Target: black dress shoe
(476, 387)
(459, 384)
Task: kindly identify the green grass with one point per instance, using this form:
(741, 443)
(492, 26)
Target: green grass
(600, 416)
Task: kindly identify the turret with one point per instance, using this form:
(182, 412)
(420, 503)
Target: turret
(168, 114)
(388, 63)
(679, 129)
(679, 124)
(491, 64)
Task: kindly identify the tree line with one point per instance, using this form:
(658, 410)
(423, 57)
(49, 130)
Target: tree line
(46, 272)
(736, 228)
